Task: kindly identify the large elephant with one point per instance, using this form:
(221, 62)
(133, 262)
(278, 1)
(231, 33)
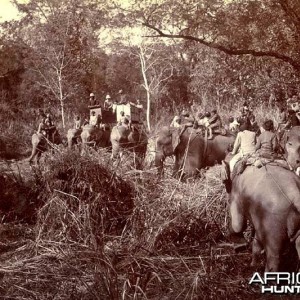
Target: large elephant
(40, 144)
(270, 198)
(99, 137)
(192, 151)
(73, 137)
(133, 139)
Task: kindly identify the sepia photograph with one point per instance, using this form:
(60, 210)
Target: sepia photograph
(149, 149)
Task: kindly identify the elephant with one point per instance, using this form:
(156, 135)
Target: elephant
(40, 144)
(92, 135)
(291, 145)
(131, 138)
(269, 197)
(192, 151)
(73, 137)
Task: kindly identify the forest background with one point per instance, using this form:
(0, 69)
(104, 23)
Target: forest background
(168, 54)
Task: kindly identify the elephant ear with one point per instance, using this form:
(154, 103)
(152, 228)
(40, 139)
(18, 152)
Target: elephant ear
(176, 138)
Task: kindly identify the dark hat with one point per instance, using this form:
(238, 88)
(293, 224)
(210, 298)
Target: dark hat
(207, 114)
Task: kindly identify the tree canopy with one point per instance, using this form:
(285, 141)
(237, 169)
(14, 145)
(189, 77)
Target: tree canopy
(261, 28)
(167, 53)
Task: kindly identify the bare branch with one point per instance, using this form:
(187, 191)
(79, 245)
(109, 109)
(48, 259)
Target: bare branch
(227, 50)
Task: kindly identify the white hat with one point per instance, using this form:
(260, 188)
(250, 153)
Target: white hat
(92, 95)
(107, 96)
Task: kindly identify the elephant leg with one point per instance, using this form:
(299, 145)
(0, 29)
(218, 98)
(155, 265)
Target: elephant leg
(191, 166)
(273, 260)
(238, 223)
(238, 220)
(273, 249)
(38, 156)
(159, 159)
(84, 147)
(137, 160)
(256, 250)
(33, 154)
(115, 150)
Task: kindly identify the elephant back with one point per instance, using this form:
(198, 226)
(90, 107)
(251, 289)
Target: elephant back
(72, 132)
(120, 133)
(124, 137)
(88, 127)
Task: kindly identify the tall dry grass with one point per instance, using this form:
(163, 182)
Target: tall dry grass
(98, 235)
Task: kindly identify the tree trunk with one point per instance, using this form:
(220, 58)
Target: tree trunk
(146, 86)
(62, 110)
(148, 110)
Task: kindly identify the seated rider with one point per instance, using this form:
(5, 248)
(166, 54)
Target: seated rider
(254, 124)
(244, 144)
(50, 128)
(246, 114)
(186, 119)
(266, 144)
(124, 120)
(42, 127)
(214, 124)
(204, 119)
(93, 119)
(77, 122)
(233, 125)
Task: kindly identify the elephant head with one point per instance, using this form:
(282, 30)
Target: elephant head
(134, 139)
(40, 144)
(292, 147)
(166, 144)
(192, 151)
(73, 137)
(95, 136)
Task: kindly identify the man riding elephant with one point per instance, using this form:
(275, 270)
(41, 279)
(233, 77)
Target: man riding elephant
(192, 151)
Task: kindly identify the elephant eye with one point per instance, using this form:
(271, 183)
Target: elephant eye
(290, 143)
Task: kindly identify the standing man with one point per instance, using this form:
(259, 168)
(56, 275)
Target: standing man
(92, 100)
(108, 103)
